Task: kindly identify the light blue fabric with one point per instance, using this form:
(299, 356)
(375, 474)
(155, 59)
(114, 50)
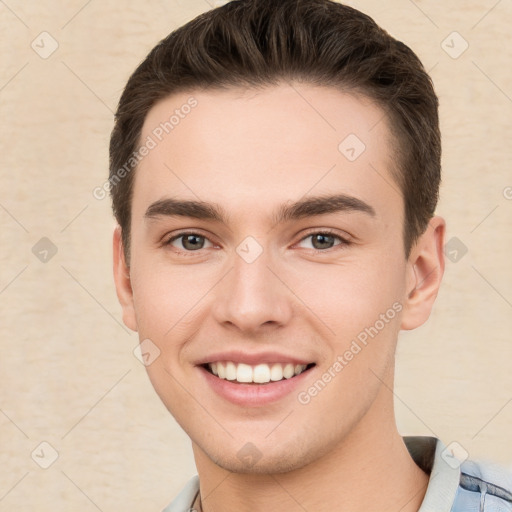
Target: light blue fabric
(483, 487)
(454, 486)
(183, 502)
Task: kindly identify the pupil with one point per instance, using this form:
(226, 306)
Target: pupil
(323, 241)
(192, 242)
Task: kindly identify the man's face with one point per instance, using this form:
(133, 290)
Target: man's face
(254, 286)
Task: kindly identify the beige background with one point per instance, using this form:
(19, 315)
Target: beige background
(68, 375)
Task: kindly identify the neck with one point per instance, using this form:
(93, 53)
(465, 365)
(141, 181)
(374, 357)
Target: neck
(367, 470)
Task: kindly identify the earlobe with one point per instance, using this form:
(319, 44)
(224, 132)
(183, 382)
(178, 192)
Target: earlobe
(425, 269)
(122, 281)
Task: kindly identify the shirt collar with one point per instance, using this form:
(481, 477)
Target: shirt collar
(431, 456)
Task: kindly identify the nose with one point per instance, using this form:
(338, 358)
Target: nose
(252, 297)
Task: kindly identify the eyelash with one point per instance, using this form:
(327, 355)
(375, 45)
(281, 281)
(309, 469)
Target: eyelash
(343, 242)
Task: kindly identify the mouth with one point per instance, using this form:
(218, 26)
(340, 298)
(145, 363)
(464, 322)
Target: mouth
(259, 374)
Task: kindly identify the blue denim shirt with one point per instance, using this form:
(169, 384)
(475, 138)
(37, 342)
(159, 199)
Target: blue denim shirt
(455, 484)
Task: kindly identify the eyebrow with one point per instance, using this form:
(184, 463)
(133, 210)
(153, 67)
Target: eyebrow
(307, 207)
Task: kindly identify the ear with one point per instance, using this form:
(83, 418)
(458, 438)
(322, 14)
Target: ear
(425, 269)
(122, 281)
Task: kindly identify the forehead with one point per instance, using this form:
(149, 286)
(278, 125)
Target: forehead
(238, 147)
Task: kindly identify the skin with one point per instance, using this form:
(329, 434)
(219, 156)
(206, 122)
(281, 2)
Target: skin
(250, 152)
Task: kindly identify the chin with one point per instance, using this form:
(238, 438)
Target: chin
(264, 466)
(250, 460)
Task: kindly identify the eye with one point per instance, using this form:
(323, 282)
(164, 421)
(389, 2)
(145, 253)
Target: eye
(321, 241)
(189, 242)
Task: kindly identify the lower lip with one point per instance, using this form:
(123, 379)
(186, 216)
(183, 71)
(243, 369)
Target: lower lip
(253, 394)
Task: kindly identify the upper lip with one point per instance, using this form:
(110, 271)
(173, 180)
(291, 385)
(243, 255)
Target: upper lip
(240, 356)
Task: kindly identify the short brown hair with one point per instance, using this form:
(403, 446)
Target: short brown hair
(255, 43)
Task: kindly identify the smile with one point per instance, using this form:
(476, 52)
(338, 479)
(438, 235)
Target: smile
(255, 374)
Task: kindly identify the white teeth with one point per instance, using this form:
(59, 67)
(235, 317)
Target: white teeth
(276, 372)
(221, 370)
(243, 372)
(288, 371)
(260, 373)
(231, 372)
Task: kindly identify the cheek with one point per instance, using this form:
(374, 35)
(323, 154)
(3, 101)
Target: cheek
(168, 298)
(351, 295)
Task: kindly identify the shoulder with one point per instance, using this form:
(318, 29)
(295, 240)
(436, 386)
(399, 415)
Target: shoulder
(456, 483)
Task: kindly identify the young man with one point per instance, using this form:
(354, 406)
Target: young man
(274, 172)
